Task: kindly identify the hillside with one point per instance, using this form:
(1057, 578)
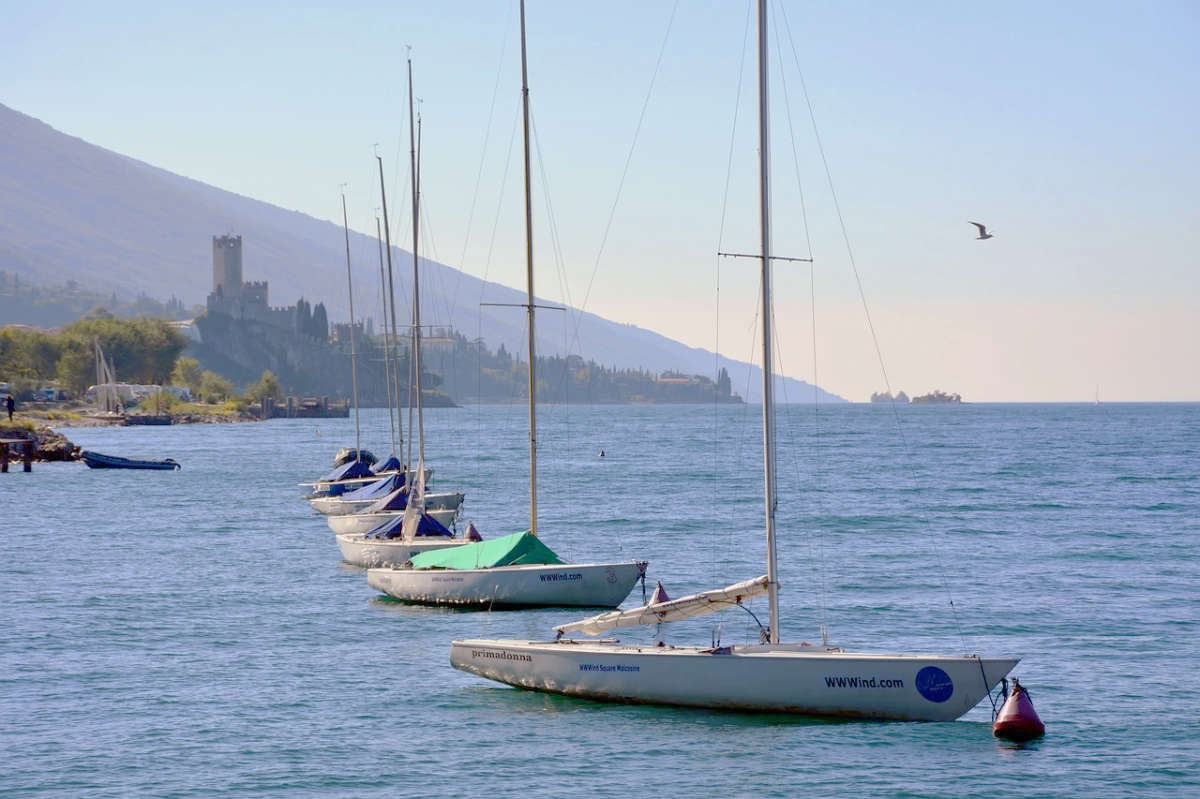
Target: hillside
(72, 211)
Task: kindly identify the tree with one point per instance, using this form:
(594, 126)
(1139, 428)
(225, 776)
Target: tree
(320, 323)
(141, 350)
(724, 384)
(266, 387)
(76, 369)
(214, 388)
(303, 316)
(186, 373)
(28, 354)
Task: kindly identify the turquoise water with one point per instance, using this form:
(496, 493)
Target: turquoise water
(192, 633)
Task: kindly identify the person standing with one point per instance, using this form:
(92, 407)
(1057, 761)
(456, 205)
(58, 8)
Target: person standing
(10, 405)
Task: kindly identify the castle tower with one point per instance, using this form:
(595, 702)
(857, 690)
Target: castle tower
(227, 266)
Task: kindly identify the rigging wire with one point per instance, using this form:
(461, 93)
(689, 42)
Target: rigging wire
(483, 283)
(717, 477)
(628, 160)
(870, 323)
(487, 135)
(817, 473)
(563, 285)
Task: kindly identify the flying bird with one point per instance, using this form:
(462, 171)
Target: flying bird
(983, 234)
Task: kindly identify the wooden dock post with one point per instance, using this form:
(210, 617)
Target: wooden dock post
(26, 453)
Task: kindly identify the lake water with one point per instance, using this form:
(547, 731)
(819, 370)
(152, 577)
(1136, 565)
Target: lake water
(193, 633)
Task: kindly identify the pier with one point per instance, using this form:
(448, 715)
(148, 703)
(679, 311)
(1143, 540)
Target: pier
(12, 446)
(303, 408)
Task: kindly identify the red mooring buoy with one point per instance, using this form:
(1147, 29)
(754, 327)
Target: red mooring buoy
(1017, 720)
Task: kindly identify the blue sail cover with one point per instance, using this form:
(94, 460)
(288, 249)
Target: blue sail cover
(381, 487)
(393, 528)
(396, 501)
(348, 471)
(392, 464)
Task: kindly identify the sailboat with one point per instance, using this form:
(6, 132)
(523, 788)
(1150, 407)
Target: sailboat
(409, 521)
(108, 398)
(517, 570)
(769, 676)
(378, 496)
(356, 469)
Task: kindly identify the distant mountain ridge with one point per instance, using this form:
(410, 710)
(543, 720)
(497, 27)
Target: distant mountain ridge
(70, 210)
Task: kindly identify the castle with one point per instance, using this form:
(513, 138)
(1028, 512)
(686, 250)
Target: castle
(237, 299)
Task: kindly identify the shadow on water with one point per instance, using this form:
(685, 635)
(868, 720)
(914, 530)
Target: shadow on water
(386, 601)
(516, 701)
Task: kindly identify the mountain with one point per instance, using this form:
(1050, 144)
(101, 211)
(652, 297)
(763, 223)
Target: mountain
(70, 210)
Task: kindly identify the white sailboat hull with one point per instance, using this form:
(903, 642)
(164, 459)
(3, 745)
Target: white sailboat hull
(337, 506)
(779, 678)
(320, 488)
(359, 523)
(358, 550)
(580, 585)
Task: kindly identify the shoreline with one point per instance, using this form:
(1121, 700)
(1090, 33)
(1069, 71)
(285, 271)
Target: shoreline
(42, 426)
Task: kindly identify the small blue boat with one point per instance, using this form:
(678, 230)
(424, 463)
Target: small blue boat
(96, 460)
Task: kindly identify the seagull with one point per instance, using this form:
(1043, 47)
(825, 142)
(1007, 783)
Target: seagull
(983, 234)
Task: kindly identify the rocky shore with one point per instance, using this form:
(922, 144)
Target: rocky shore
(49, 446)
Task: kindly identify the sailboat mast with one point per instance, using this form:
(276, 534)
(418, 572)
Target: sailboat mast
(387, 350)
(391, 295)
(353, 350)
(529, 310)
(768, 398)
(416, 279)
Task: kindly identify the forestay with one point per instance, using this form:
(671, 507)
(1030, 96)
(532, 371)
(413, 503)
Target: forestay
(686, 607)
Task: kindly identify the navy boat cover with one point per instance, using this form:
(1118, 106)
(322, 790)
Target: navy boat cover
(380, 488)
(392, 464)
(348, 471)
(397, 500)
(392, 528)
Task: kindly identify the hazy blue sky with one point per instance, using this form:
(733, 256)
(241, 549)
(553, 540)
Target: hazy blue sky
(1069, 128)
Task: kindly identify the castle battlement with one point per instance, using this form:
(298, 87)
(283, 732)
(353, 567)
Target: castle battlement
(231, 296)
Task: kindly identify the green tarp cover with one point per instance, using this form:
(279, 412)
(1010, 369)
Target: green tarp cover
(518, 549)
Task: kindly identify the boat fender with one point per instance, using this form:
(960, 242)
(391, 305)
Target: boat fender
(1017, 720)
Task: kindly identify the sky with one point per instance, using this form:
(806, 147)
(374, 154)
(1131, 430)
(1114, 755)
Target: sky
(1068, 128)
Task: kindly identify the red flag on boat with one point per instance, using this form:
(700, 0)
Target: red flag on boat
(659, 595)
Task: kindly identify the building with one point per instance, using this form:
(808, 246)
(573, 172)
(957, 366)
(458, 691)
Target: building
(227, 266)
(233, 297)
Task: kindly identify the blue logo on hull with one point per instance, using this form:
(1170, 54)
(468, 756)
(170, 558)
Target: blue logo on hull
(934, 684)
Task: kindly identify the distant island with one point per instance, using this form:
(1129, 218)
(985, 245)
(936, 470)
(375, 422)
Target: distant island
(935, 397)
